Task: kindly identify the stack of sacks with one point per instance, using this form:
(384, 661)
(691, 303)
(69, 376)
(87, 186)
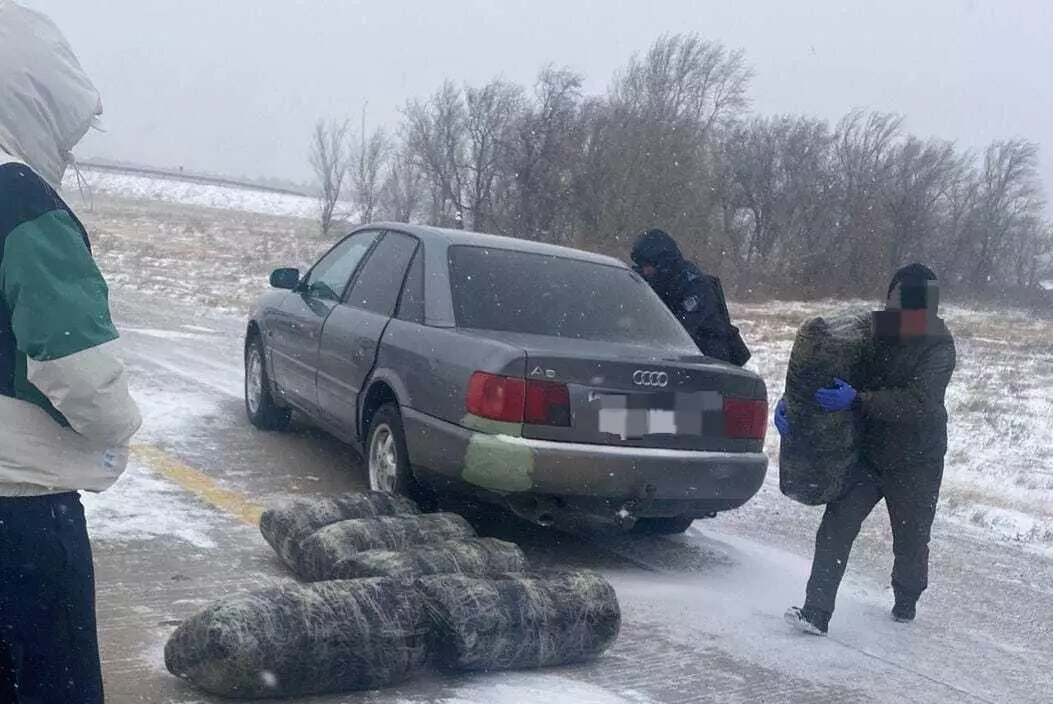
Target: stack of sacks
(378, 535)
(391, 590)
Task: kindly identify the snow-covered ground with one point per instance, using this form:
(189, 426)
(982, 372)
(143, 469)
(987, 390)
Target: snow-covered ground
(153, 188)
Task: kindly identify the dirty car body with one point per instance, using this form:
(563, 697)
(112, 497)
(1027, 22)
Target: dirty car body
(544, 378)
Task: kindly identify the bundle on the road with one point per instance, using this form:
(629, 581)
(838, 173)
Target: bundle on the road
(300, 640)
(519, 621)
(820, 450)
(286, 525)
(472, 556)
(335, 544)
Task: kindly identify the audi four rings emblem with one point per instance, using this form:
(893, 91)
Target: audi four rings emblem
(642, 377)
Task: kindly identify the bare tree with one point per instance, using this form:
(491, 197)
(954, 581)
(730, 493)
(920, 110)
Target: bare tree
(781, 194)
(1009, 205)
(330, 161)
(436, 139)
(460, 139)
(368, 172)
(404, 188)
(543, 157)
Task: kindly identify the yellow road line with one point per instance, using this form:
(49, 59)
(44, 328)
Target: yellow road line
(198, 483)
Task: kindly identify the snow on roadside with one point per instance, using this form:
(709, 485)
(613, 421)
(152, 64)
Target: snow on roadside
(142, 506)
(512, 688)
(154, 188)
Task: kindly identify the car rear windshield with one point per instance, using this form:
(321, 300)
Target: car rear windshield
(540, 294)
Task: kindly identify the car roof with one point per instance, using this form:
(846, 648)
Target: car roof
(448, 237)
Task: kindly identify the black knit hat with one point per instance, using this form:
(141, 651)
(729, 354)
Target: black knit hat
(911, 276)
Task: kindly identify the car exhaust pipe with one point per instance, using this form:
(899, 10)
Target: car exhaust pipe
(540, 511)
(624, 517)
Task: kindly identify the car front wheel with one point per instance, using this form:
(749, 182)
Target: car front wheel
(262, 411)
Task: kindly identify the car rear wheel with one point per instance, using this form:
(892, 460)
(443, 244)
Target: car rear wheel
(263, 412)
(387, 458)
(662, 526)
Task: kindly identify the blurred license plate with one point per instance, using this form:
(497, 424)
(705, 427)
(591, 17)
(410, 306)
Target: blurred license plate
(639, 415)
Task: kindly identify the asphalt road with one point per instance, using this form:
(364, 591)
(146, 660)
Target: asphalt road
(702, 612)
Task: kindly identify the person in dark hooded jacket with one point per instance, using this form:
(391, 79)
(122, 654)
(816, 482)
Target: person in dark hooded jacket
(695, 298)
(903, 420)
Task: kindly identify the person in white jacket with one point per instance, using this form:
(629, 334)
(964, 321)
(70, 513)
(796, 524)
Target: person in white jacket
(66, 416)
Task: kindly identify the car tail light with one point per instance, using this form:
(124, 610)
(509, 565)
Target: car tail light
(512, 400)
(496, 397)
(547, 403)
(745, 418)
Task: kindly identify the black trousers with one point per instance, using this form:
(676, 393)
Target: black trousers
(911, 494)
(49, 651)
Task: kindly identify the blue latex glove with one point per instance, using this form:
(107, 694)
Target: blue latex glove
(839, 398)
(782, 421)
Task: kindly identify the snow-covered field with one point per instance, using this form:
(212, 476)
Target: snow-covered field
(151, 188)
(999, 476)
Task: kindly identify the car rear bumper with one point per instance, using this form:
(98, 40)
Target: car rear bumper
(510, 465)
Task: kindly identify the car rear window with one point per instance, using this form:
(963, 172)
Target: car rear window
(523, 292)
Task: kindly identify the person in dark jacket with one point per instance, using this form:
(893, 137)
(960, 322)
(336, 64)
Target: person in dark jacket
(695, 298)
(903, 420)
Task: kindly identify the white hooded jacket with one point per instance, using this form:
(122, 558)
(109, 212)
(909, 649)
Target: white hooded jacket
(66, 415)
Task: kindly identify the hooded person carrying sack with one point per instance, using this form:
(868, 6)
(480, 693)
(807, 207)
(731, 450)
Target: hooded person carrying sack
(696, 299)
(897, 397)
(66, 416)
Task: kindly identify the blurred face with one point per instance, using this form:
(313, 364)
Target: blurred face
(645, 270)
(908, 312)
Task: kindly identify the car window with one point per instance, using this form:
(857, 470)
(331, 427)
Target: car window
(506, 290)
(377, 287)
(329, 277)
(411, 303)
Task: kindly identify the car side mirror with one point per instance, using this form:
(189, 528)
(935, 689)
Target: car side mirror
(287, 279)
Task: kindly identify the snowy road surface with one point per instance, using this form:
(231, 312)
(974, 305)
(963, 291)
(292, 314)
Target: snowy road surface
(702, 612)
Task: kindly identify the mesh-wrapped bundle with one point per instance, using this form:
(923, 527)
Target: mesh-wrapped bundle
(821, 448)
(473, 556)
(519, 621)
(299, 640)
(285, 526)
(326, 548)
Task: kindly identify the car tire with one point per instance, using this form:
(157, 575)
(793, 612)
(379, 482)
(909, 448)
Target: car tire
(674, 525)
(387, 459)
(260, 406)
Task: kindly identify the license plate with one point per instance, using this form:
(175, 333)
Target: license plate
(634, 416)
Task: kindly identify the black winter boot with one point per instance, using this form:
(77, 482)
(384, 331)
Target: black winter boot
(905, 610)
(809, 620)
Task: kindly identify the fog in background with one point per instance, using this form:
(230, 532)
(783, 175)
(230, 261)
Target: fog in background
(236, 86)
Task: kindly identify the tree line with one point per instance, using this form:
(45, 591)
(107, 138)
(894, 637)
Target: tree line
(785, 205)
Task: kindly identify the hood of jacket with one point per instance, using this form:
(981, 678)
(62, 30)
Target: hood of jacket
(47, 102)
(657, 249)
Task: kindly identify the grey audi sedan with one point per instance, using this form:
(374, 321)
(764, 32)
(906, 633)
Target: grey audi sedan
(549, 380)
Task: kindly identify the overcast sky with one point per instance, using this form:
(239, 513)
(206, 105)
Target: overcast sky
(234, 86)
